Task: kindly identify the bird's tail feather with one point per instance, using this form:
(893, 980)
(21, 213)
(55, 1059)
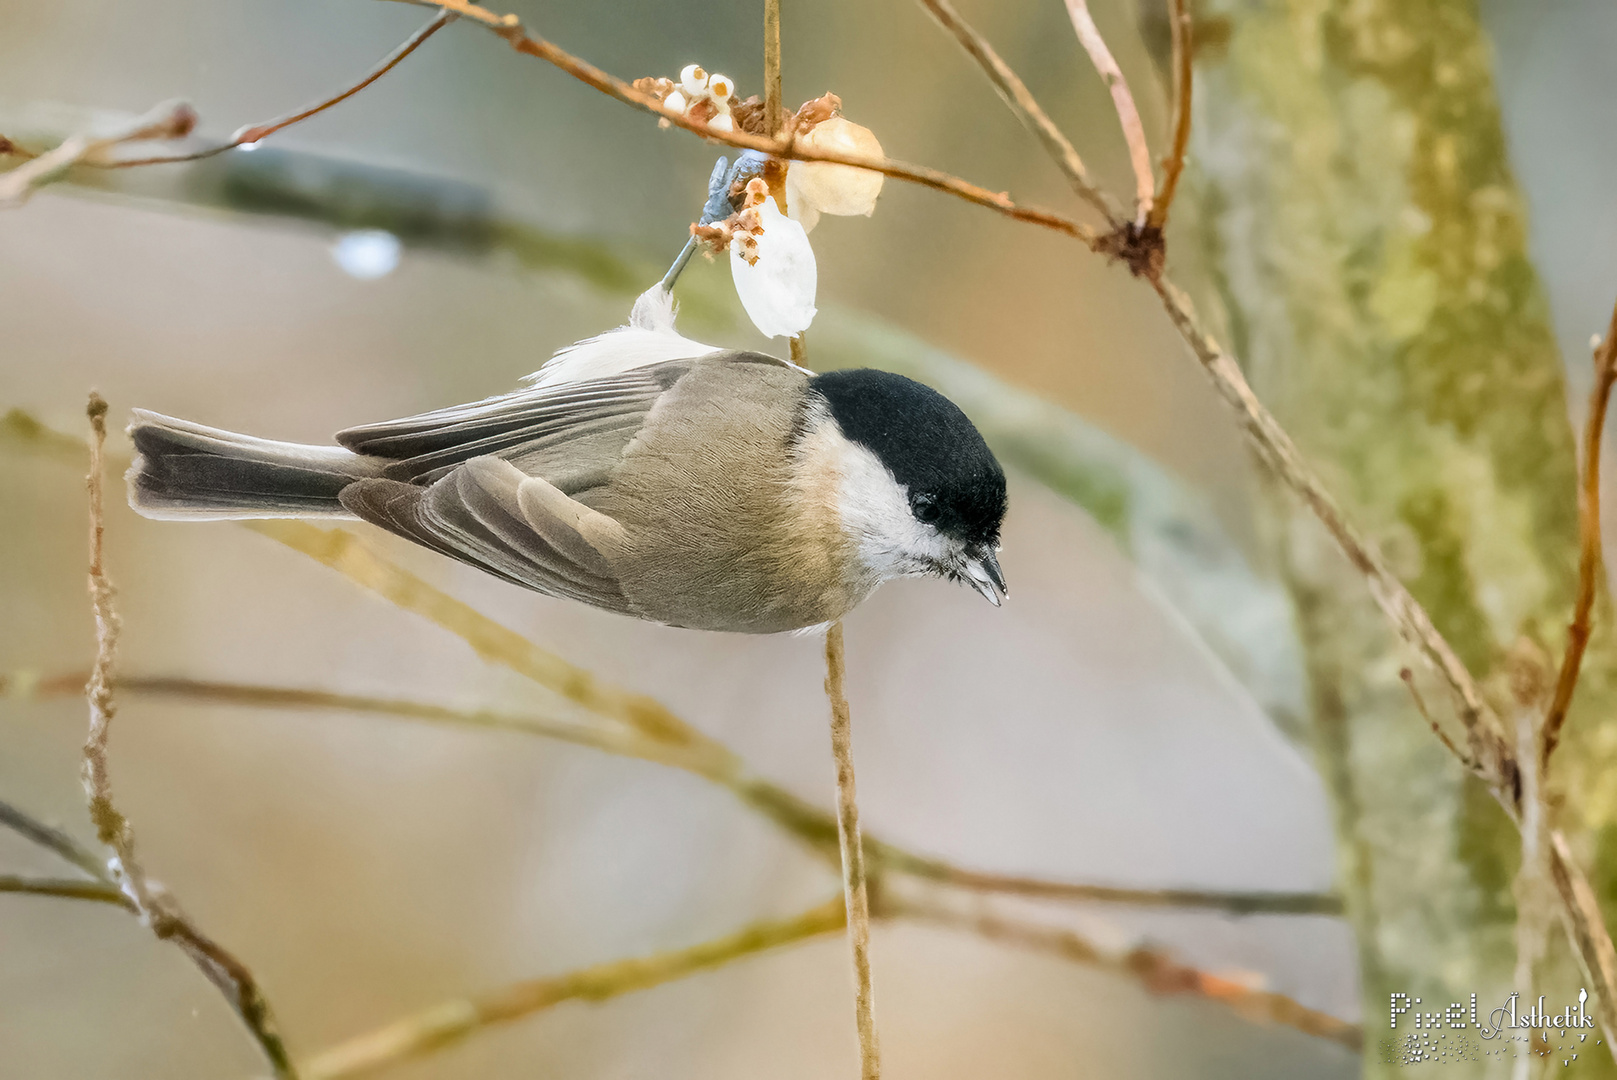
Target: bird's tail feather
(185, 470)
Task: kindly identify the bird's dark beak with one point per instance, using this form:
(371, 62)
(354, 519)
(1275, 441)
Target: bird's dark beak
(982, 573)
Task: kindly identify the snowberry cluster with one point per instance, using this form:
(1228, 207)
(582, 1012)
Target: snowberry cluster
(698, 95)
(771, 260)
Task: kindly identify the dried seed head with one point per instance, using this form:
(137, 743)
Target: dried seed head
(693, 80)
(818, 111)
(819, 187)
(657, 88)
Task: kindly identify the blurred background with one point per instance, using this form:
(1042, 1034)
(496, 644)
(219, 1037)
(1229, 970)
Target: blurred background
(368, 867)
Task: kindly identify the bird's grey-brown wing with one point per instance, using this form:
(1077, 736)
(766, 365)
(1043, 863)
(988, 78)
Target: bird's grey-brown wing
(478, 514)
(572, 434)
(496, 483)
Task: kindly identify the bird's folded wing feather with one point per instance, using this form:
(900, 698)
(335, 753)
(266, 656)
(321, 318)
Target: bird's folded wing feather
(477, 514)
(503, 484)
(568, 433)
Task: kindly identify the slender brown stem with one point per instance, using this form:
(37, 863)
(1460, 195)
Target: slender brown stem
(807, 823)
(53, 839)
(451, 1021)
(1015, 94)
(11, 149)
(254, 133)
(66, 889)
(1122, 100)
(1577, 633)
(1156, 968)
(155, 907)
(510, 28)
(343, 552)
(772, 91)
(1183, 72)
(1277, 451)
(853, 855)
(1225, 902)
(171, 120)
(1408, 677)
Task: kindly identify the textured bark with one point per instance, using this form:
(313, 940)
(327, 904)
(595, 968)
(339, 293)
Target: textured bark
(1367, 243)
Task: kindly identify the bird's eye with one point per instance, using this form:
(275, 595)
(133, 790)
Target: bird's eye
(925, 507)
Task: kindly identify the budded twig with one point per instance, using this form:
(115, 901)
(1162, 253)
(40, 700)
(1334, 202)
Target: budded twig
(1184, 70)
(80, 151)
(153, 904)
(1128, 115)
(854, 885)
(1577, 633)
(1014, 92)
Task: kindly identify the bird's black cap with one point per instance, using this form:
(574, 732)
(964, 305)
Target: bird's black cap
(954, 481)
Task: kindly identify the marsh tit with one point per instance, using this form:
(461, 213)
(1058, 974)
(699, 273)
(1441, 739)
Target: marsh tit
(640, 472)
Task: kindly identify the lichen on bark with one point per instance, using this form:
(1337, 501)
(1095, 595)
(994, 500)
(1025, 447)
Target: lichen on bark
(1366, 244)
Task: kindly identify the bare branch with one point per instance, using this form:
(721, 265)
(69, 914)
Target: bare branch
(1127, 115)
(451, 1021)
(168, 121)
(772, 92)
(155, 907)
(1179, 20)
(254, 133)
(1225, 902)
(1577, 633)
(1277, 451)
(343, 552)
(1442, 736)
(53, 839)
(510, 28)
(853, 855)
(66, 889)
(1014, 92)
(1586, 927)
(807, 823)
(1156, 968)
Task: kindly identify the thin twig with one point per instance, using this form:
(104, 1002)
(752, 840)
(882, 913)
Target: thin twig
(11, 149)
(1586, 926)
(510, 28)
(1577, 632)
(1015, 94)
(772, 90)
(1277, 451)
(451, 1021)
(1122, 100)
(171, 120)
(853, 855)
(254, 133)
(112, 828)
(53, 839)
(1179, 20)
(888, 859)
(1157, 969)
(66, 889)
(343, 552)
(807, 823)
(155, 907)
(1408, 677)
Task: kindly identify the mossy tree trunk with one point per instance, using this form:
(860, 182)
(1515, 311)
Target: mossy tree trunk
(1366, 244)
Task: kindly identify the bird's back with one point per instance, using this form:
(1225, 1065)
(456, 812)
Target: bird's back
(722, 531)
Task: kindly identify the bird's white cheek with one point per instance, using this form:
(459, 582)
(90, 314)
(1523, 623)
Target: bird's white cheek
(875, 512)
